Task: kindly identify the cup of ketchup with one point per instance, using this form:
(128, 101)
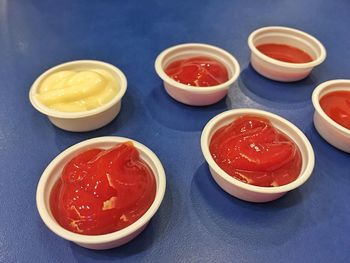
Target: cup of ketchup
(255, 155)
(331, 101)
(197, 74)
(283, 53)
(101, 193)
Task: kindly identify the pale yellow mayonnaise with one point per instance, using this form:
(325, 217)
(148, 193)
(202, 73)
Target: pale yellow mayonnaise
(74, 91)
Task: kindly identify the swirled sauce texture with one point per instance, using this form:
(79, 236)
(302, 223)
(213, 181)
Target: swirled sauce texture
(251, 150)
(197, 71)
(337, 106)
(76, 91)
(102, 191)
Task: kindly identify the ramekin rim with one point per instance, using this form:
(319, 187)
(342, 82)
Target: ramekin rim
(201, 90)
(105, 238)
(76, 115)
(316, 103)
(303, 177)
(264, 57)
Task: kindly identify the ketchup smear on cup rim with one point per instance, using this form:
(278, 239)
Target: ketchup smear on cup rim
(102, 191)
(253, 151)
(198, 71)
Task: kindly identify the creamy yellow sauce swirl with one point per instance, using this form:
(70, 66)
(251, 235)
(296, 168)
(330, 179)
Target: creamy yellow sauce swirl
(75, 91)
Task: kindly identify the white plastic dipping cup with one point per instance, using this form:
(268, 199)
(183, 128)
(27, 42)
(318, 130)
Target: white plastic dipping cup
(85, 120)
(253, 193)
(279, 70)
(332, 132)
(53, 172)
(196, 96)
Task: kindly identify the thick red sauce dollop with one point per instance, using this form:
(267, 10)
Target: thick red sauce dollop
(197, 71)
(251, 150)
(285, 53)
(102, 191)
(337, 106)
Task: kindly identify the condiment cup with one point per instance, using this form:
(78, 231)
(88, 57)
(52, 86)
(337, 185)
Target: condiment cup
(106, 241)
(196, 96)
(332, 132)
(86, 120)
(246, 191)
(279, 70)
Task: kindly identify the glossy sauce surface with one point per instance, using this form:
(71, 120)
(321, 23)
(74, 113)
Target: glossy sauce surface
(337, 106)
(197, 71)
(102, 191)
(251, 150)
(285, 53)
(76, 91)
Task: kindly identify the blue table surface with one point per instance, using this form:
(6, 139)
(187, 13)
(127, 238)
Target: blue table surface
(197, 221)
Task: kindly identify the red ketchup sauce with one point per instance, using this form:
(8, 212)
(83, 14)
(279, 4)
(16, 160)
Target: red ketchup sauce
(251, 150)
(197, 71)
(102, 191)
(337, 106)
(285, 53)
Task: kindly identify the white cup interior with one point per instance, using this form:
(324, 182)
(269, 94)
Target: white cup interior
(195, 49)
(53, 173)
(292, 37)
(278, 122)
(78, 65)
(322, 90)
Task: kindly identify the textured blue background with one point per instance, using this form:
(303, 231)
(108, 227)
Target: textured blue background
(197, 221)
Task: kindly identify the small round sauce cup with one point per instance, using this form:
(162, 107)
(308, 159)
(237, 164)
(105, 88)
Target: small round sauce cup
(53, 172)
(253, 193)
(279, 70)
(190, 95)
(331, 131)
(86, 120)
